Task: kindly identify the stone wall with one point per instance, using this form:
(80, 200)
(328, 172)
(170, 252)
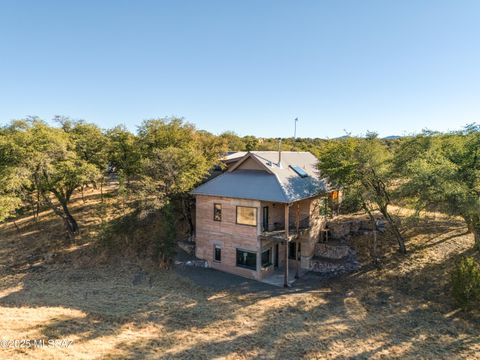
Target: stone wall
(332, 251)
(342, 229)
(333, 259)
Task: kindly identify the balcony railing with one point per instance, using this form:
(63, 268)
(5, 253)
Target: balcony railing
(278, 231)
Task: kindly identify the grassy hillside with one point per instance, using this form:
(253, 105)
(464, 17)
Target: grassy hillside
(121, 309)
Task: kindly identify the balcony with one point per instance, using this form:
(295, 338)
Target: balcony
(277, 232)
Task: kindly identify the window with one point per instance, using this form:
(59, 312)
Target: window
(333, 195)
(246, 215)
(217, 253)
(292, 250)
(266, 258)
(247, 259)
(217, 212)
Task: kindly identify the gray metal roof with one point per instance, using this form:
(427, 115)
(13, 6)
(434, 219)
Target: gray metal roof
(278, 183)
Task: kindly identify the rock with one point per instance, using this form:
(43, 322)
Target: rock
(187, 246)
(333, 259)
(193, 263)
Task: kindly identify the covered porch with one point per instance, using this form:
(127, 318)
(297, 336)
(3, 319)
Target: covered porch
(283, 228)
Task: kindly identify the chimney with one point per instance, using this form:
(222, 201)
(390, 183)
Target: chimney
(280, 152)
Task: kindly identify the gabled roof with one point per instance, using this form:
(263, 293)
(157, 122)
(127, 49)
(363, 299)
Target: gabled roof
(233, 156)
(277, 183)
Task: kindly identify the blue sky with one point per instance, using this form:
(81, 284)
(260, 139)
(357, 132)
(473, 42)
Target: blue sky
(250, 66)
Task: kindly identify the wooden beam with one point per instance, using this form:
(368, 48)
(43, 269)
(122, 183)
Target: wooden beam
(285, 281)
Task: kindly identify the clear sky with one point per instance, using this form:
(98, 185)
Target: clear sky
(250, 66)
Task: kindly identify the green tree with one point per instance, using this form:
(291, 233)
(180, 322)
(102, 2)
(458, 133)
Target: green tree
(233, 141)
(442, 172)
(47, 158)
(362, 167)
(91, 144)
(175, 158)
(123, 153)
(11, 180)
(251, 142)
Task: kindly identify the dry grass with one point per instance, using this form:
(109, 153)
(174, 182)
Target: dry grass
(402, 311)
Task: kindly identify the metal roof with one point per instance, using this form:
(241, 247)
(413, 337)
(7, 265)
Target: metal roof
(278, 183)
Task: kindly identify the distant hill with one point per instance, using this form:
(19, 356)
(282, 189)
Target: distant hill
(390, 137)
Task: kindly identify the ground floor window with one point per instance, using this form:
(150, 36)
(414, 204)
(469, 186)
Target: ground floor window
(217, 253)
(247, 259)
(266, 258)
(292, 250)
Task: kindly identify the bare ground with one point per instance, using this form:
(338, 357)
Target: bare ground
(119, 311)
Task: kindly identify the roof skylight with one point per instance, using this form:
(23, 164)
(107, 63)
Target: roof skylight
(302, 173)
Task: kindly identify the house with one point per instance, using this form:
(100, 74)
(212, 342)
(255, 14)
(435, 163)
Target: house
(265, 211)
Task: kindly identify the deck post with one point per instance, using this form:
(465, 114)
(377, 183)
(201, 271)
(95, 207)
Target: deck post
(285, 282)
(297, 238)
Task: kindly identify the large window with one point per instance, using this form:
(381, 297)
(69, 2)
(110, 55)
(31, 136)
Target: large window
(266, 258)
(217, 212)
(217, 253)
(247, 259)
(247, 215)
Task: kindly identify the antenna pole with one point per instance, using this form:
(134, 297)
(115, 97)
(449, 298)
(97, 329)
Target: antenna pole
(295, 131)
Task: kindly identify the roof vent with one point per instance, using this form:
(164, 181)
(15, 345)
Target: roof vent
(300, 172)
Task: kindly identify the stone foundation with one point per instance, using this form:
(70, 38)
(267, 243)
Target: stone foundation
(343, 229)
(331, 251)
(333, 259)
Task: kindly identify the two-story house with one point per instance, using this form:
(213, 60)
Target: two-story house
(263, 212)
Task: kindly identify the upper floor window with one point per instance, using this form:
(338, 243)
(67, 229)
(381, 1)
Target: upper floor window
(217, 212)
(247, 215)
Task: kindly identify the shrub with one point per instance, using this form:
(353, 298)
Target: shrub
(466, 283)
(146, 234)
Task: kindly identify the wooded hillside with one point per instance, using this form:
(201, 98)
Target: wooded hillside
(147, 176)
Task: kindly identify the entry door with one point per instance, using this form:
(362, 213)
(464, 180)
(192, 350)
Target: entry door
(265, 218)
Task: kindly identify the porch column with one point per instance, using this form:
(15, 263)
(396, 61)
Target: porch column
(259, 244)
(297, 237)
(285, 281)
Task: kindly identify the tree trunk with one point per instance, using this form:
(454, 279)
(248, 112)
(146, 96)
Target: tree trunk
(16, 226)
(71, 226)
(373, 248)
(70, 222)
(395, 230)
(187, 214)
(474, 228)
(101, 189)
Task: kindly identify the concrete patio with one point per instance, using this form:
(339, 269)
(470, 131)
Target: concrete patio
(278, 276)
